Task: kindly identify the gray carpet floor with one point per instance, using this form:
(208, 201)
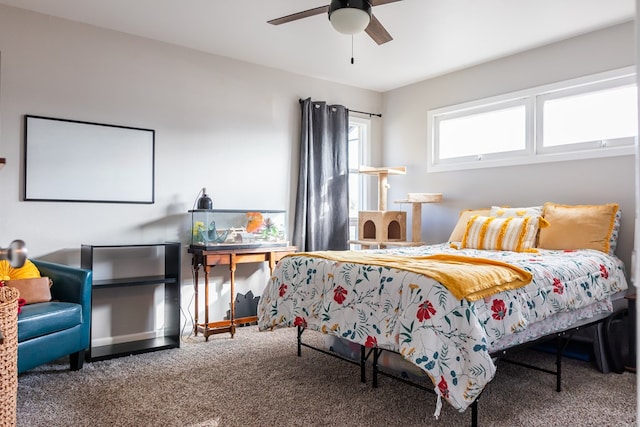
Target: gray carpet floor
(256, 379)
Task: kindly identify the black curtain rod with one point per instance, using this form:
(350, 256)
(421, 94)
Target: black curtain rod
(364, 112)
(353, 111)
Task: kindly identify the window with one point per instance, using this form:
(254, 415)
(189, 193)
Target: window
(486, 131)
(575, 119)
(595, 116)
(358, 155)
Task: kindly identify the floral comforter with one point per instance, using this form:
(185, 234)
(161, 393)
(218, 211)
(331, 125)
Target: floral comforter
(414, 315)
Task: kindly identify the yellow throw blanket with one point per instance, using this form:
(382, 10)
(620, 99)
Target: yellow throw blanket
(465, 277)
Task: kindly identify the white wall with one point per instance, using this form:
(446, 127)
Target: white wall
(227, 125)
(233, 127)
(573, 182)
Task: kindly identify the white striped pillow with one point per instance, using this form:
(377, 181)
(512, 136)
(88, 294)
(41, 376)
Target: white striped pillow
(516, 234)
(504, 212)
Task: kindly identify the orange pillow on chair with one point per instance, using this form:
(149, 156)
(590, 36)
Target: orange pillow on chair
(32, 290)
(27, 280)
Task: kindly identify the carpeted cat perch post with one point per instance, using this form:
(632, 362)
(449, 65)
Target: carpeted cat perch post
(384, 228)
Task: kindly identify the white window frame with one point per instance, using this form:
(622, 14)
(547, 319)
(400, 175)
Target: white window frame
(480, 109)
(533, 152)
(364, 157)
(578, 90)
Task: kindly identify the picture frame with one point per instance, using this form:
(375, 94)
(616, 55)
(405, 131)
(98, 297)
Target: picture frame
(78, 161)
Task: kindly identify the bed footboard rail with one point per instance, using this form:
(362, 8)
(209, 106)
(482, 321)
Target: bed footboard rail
(561, 345)
(364, 354)
(377, 371)
(563, 338)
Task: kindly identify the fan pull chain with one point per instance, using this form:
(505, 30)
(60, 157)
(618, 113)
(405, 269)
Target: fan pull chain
(352, 49)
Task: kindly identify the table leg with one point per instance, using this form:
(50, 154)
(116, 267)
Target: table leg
(232, 272)
(206, 302)
(272, 263)
(196, 267)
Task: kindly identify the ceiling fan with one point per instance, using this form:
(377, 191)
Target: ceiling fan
(347, 17)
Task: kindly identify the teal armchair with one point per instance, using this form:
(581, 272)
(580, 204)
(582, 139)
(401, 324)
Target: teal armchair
(51, 330)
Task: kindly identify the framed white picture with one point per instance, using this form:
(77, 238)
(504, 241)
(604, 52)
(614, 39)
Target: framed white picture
(75, 161)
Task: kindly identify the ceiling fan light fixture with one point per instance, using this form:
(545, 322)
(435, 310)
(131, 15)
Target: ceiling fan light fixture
(350, 16)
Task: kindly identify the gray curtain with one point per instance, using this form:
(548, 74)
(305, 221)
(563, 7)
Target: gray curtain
(322, 205)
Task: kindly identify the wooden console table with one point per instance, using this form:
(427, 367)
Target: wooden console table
(206, 259)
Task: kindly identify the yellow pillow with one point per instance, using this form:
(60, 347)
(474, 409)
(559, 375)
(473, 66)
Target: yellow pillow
(461, 225)
(578, 226)
(516, 234)
(27, 271)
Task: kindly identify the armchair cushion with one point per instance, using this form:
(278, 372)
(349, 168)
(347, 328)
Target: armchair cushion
(46, 318)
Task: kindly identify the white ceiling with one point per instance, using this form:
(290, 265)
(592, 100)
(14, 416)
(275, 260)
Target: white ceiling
(431, 37)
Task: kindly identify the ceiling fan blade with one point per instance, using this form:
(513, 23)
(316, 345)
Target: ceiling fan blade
(377, 32)
(300, 15)
(381, 2)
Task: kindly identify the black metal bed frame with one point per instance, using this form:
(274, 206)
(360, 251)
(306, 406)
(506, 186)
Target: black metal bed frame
(562, 340)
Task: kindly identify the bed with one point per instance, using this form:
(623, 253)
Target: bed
(378, 299)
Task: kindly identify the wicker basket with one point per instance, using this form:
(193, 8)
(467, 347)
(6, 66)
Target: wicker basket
(8, 355)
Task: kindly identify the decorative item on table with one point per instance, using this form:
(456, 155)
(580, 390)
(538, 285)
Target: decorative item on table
(208, 233)
(204, 230)
(205, 202)
(203, 226)
(263, 228)
(222, 228)
(266, 228)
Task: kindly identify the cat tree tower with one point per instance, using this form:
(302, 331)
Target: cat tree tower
(384, 228)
